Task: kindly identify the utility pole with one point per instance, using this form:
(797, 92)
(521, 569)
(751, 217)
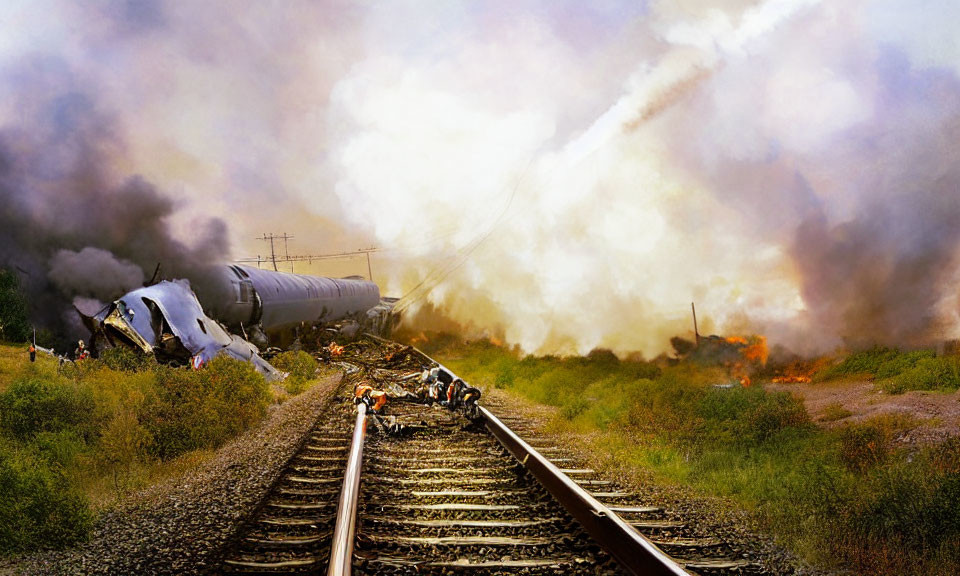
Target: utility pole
(273, 254)
(696, 332)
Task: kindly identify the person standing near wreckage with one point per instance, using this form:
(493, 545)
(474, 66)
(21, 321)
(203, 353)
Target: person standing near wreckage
(81, 353)
(430, 385)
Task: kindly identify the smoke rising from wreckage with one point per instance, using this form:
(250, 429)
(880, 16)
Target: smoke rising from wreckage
(167, 319)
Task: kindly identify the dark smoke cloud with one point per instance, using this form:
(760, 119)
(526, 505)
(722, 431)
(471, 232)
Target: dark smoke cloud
(93, 273)
(885, 275)
(70, 225)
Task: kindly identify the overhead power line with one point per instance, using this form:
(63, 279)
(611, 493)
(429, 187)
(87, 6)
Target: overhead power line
(309, 258)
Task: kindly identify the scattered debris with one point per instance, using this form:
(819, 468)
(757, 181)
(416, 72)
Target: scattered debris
(390, 372)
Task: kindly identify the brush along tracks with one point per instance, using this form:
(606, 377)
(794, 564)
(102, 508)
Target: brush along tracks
(448, 499)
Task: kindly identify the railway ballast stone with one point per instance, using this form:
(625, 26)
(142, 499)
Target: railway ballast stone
(179, 525)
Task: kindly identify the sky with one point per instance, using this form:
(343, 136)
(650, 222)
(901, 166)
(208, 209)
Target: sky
(560, 175)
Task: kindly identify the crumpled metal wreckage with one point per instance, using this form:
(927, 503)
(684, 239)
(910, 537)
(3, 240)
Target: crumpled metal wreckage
(166, 320)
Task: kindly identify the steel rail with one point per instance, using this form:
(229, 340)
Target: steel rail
(632, 551)
(345, 529)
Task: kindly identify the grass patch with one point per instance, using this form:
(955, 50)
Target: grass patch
(843, 497)
(834, 411)
(897, 372)
(927, 373)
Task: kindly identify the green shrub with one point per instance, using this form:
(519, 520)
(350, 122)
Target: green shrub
(863, 363)
(125, 359)
(59, 448)
(504, 376)
(300, 366)
(642, 370)
(751, 415)
(203, 408)
(902, 362)
(38, 506)
(927, 373)
(123, 444)
(898, 371)
(573, 408)
(35, 404)
(913, 501)
(773, 413)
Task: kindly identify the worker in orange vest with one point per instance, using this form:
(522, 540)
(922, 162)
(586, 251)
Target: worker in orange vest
(374, 399)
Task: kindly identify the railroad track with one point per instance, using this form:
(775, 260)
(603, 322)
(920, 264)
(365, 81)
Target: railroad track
(449, 495)
(450, 499)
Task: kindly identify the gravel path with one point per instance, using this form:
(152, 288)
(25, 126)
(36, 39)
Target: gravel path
(179, 525)
(937, 412)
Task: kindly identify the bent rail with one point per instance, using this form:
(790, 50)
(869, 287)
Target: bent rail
(341, 548)
(634, 552)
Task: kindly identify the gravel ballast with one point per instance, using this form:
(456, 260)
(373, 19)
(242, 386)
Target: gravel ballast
(179, 525)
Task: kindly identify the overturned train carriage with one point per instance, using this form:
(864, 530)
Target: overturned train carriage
(167, 319)
(263, 303)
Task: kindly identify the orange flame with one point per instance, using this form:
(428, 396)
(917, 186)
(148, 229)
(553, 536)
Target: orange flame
(800, 372)
(419, 338)
(754, 348)
(792, 380)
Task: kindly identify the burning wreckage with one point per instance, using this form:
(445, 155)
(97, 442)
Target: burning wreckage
(167, 319)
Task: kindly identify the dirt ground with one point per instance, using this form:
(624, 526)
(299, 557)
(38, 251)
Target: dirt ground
(937, 413)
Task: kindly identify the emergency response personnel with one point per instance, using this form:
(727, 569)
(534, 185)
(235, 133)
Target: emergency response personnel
(374, 399)
(430, 385)
(33, 353)
(81, 353)
(469, 395)
(453, 392)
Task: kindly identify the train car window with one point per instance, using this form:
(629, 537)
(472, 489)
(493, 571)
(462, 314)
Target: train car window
(245, 292)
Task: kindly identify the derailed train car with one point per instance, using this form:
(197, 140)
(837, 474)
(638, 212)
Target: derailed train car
(265, 304)
(167, 319)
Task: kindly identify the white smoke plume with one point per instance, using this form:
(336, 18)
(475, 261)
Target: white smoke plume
(564, 175)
